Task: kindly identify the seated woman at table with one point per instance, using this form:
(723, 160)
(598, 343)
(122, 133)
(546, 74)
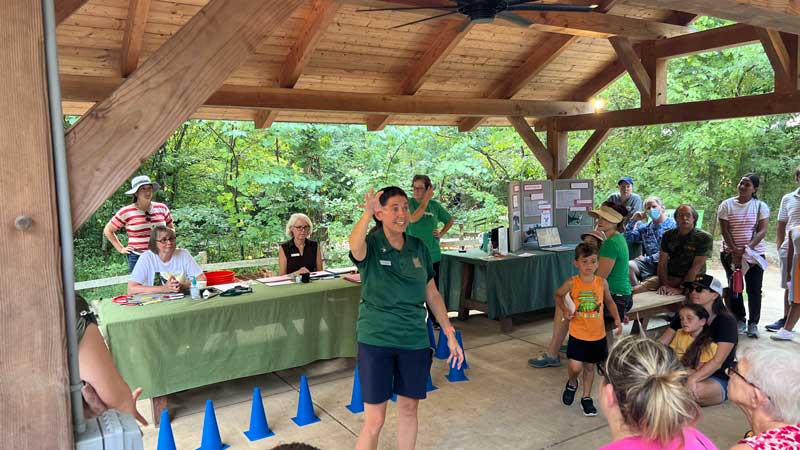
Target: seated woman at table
(175, 265)
(103, 387)
(299, 254)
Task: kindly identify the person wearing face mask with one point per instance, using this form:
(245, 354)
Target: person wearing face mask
(649, 235)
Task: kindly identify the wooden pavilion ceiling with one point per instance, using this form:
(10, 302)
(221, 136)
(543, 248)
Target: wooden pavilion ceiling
(330, 47)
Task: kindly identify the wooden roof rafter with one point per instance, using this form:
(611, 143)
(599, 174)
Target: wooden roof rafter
(65, 8)
(134, 35)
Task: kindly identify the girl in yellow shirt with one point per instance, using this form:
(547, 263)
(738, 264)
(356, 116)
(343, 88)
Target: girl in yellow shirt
(693, 344)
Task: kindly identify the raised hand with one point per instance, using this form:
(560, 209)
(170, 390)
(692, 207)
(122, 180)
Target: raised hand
(372, 202)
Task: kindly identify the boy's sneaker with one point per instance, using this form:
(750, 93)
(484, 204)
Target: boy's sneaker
(587, 405)
(742, 326)
(569, 394)
(783, 335)
(752, 330)
(777, 325)
(545, 361)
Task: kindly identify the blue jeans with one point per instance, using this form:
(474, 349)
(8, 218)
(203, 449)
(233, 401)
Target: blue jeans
(132, 258)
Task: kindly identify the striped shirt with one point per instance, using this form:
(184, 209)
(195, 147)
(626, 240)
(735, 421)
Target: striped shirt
(138, 223)
(742, 221)
(789, 212)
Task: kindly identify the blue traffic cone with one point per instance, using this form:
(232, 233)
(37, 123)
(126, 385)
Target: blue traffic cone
(431, 337)
(429, 387)
(259, 428)
(211, 439)
(305, 407)
(356, 401)
(456, 375)
(464, 365)
(166, 441)
(442, 350)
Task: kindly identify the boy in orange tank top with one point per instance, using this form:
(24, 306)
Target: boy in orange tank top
(581, 299)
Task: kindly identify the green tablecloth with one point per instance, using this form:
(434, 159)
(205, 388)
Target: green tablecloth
(508, 285)
(182, 344)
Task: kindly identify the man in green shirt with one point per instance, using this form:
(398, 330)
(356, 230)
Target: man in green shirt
(426, 215)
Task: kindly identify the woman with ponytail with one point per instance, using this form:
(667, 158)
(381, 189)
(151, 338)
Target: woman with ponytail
(394, 356)
(644, 398)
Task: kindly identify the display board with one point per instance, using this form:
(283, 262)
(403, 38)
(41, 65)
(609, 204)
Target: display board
(573, 201)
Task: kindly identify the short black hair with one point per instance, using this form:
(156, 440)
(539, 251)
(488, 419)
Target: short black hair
(584, 250)
(695, 215)
(424, 178)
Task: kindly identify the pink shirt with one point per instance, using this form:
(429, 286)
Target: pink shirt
(138, 223)
(786, 438)
(692, 440)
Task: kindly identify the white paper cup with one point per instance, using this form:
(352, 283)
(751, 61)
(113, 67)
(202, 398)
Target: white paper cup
(201, 284)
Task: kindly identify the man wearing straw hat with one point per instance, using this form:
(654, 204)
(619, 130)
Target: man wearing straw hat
(138, 219)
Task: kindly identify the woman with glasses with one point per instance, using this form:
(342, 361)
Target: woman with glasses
(768, 397)
(175, 266)
(299, 254)
(709, 383)
(138, 219)
(644, 399)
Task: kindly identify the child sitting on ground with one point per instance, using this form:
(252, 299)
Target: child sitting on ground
(587, 334)
(693, 343)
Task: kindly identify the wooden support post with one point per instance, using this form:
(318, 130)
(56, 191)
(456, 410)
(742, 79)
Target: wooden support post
(585, 153)
(110, 141)
(657, 72)
(557, 146)
(792, 42)
(134, 35)
(779, 58)
(534, 144)
(34, 398)
(265, 118)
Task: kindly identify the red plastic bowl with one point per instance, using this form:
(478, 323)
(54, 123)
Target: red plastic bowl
(219, 277)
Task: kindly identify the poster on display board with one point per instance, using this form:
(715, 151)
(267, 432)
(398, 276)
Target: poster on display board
(530, 205)
(574, 199)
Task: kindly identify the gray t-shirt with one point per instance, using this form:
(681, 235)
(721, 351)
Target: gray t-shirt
(633, 203)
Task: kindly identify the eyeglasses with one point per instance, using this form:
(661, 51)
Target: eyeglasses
(147, 216)
(732, 369)
(418, 188)
(700, 289)
(166, 239)
(302, 228)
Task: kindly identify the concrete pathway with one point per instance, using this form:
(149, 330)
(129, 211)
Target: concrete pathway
(505, 405)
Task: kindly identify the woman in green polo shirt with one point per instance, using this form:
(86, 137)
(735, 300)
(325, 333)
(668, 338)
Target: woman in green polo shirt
(393, 350)
(613, 262)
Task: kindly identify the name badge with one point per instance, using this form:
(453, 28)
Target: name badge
(294, 255)
(417, 262)
(384, 262)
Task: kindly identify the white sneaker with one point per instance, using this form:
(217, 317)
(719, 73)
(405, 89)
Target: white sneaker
(782, 335)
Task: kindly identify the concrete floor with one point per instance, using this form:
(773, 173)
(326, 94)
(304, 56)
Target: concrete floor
(504, 405)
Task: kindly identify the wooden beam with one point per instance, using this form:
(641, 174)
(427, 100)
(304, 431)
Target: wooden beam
(792, 42)
(605, 6)
(714, 39)
(536, 146)
(585, 153)
(65, 8)
(321, 16)
(557, 146)
(599, 25)
(657, 73)
(630, 60)
(34, 398)
(543, 54)
(109, 142)
(729, 108)
(783, 15)
(93, 89)
(265, 118)
(134, 35)
(446, 41)
(779, 58)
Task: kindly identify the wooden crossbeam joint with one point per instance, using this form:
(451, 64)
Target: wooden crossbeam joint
(585, 153)
(533, 142)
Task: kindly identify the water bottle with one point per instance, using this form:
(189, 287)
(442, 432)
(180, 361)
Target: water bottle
(738, 281)
(195, 291)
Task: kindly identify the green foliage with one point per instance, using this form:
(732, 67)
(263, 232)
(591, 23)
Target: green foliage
(231, 187)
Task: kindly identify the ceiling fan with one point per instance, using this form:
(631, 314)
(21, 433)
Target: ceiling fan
(484, 11)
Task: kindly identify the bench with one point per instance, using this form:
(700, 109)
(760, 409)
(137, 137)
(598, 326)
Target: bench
(649, 304)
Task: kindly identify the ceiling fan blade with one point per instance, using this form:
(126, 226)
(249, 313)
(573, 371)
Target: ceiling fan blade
(404, 8)
(519, 2)
(424, 20)
(515, 19)
(553, 7)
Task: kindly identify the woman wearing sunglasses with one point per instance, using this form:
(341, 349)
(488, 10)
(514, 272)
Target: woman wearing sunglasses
(644, 399)
(299, 254)
(709, 383)
(769, 400)
(175, 266)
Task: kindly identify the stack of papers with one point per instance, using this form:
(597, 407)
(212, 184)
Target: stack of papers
(343, 270)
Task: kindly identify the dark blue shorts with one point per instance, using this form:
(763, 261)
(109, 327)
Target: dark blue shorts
(385, 370)
(587, 351)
